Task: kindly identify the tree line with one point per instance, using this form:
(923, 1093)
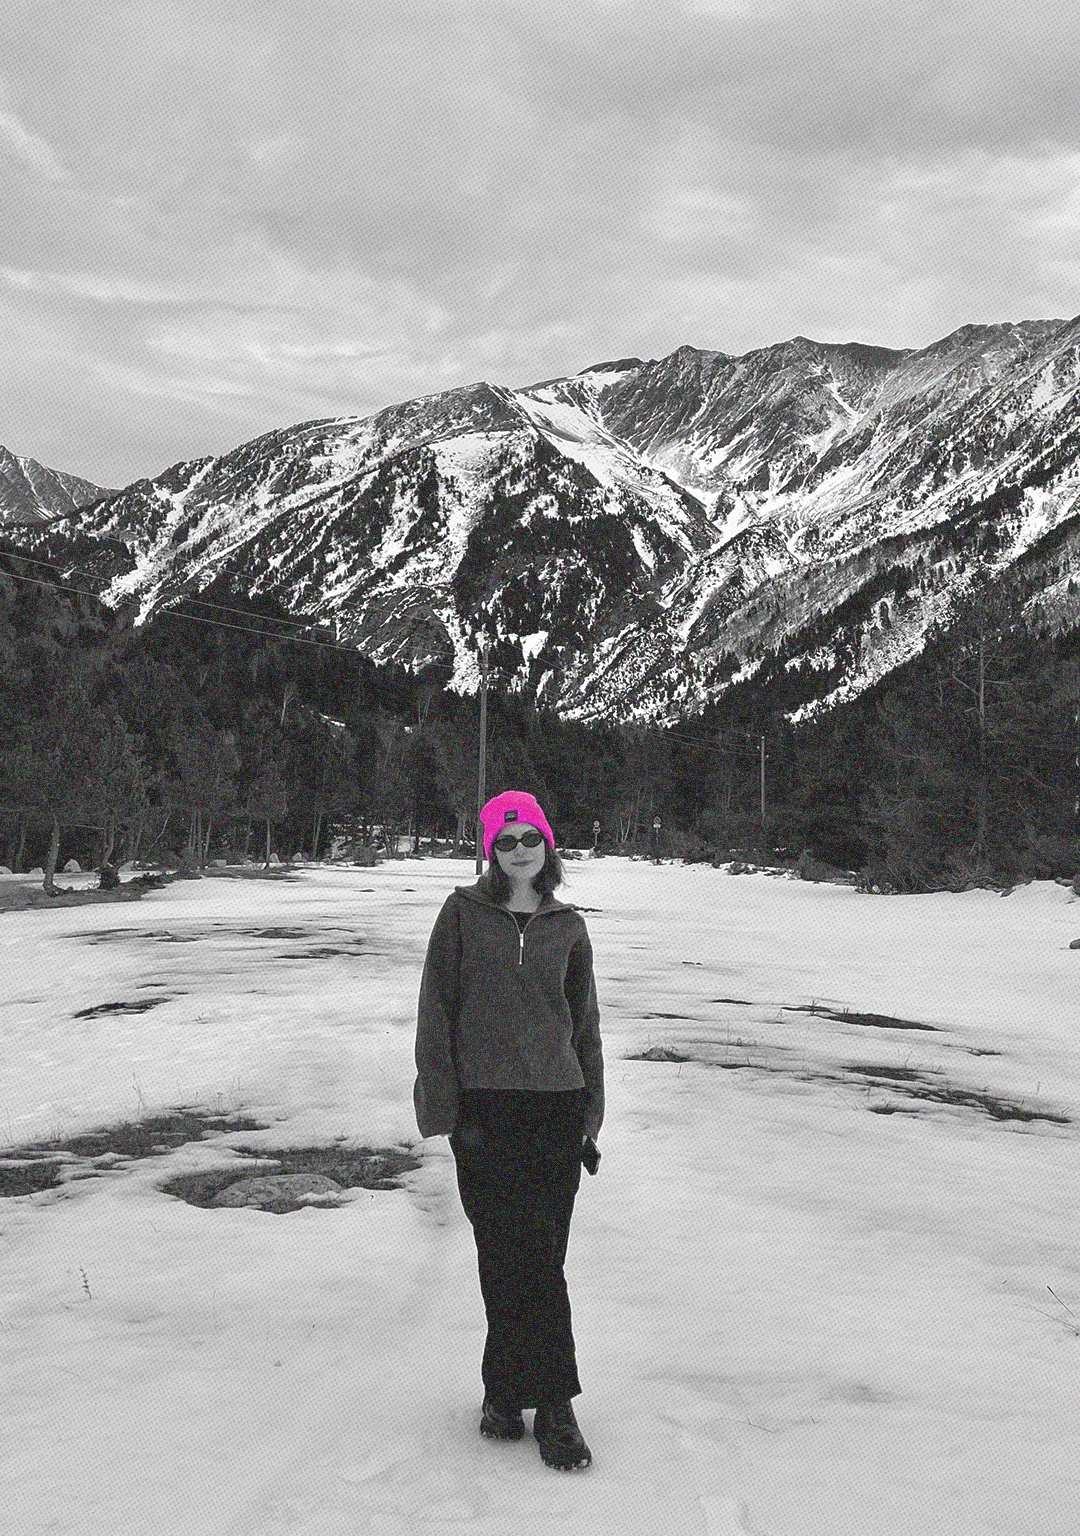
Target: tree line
(225, 728)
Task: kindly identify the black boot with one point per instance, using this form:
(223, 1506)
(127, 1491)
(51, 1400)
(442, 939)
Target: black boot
(561, 1442)
(501, 1421)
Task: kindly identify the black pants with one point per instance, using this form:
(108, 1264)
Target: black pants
(518, 1158)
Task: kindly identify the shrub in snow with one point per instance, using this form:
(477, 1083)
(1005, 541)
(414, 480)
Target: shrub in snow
(72, 867)
(4, 870)
(819, 870)
(36, 873)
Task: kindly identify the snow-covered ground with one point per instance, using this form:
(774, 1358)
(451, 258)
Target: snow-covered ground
(794, 1316)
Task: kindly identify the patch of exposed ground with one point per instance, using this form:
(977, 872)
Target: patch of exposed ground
(916, 1085)
(17, 896)
(659, 1053)
(351, 1167)
(135, 1005)
(42, 1165)
(867, 1020)
(928, 1087)
(45, 1164)
(352, 945)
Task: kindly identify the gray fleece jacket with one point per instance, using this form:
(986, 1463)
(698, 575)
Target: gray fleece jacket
(500, 1008)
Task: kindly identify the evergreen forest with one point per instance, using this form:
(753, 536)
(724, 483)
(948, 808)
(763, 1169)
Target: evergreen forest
(224, 728)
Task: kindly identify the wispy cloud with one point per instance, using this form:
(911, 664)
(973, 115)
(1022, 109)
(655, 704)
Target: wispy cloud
(102, 288)
(28, 148)
(319, 208)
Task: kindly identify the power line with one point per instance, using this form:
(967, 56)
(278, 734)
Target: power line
(322, 645)
(295, 639)
(741, 747)
(201, 601)
(172, 613)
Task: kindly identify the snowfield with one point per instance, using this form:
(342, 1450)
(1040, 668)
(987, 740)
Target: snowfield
(808, 1299)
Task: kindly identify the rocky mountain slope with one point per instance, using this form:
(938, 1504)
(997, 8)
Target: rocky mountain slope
(634, 538)
(30, 493)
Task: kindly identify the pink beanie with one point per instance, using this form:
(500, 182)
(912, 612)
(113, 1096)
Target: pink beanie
(510, 807)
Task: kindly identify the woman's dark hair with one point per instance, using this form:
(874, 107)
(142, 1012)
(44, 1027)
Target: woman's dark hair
(497, 882)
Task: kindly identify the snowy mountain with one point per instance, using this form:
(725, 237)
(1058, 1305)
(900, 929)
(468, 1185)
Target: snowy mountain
(30, 493)
(634, 538)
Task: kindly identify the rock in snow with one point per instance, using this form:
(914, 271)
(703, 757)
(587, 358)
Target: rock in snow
(277, 1189)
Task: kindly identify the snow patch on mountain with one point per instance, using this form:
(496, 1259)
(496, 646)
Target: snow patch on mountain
(348, 444)
(645, 526)
(465, 465)
(580, 437)
(532, 645)
(881, 651)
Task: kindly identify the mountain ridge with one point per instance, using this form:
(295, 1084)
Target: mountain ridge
(32, 493)
(634, 537)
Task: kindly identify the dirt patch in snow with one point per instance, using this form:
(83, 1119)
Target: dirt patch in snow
(866, 1020)
(39, 1165)
(350, 1167)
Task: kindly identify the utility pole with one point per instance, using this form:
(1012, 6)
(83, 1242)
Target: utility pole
(481, 781)
(981, 834)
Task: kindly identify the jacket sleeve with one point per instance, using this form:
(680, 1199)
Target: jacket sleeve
(435, 1092)
(585, 1011)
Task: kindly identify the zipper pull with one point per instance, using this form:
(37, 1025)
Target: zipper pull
(521, 946)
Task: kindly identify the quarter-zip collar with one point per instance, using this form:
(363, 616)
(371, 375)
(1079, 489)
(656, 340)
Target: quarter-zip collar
(476, 893)
(547, 904)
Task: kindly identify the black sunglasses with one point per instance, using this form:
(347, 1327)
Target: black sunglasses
(505, 843)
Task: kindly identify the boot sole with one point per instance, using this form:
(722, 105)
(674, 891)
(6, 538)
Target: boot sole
(577, 1465)
(495, 1434)
(564, 1459)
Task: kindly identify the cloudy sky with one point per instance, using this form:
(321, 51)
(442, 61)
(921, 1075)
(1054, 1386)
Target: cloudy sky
(219, 218)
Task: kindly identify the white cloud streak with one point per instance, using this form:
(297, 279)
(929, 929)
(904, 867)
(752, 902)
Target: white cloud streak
(28, 148)
(319, 208)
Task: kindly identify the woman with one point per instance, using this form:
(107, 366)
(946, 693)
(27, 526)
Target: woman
(510, 1064)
